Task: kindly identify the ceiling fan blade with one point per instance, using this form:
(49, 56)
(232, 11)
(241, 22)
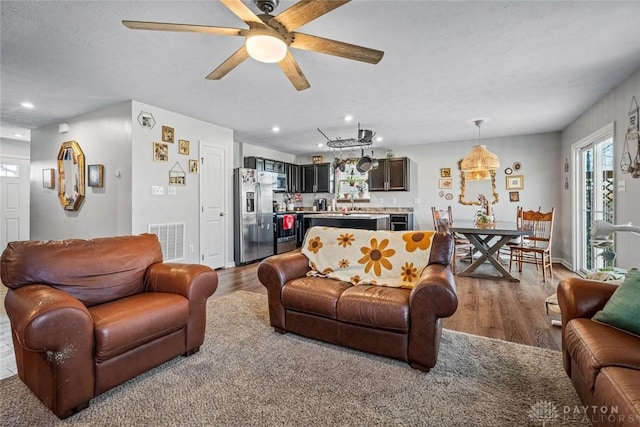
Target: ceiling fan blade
(243, 12)
(229, 64)
(336, 48)
(164, 26)
(293, 72)
(306, 11)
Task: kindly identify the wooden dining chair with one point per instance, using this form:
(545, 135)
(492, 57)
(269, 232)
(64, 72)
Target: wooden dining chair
(536, 248)
(442, 221)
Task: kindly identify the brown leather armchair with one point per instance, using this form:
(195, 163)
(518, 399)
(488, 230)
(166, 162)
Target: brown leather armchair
(88, 315)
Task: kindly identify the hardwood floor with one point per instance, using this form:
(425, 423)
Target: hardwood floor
(508, 311)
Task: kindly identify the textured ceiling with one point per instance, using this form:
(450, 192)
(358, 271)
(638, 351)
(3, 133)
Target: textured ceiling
(528, 66)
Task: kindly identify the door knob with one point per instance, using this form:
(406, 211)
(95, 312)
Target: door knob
(221, 213)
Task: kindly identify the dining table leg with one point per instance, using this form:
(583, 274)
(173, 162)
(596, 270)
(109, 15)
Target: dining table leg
(487, 248)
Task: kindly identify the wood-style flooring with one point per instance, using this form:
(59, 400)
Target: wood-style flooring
(504, 310)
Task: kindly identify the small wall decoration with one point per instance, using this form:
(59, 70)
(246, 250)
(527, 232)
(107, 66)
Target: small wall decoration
(448, 196)
(194, 166)
(146, 120)
(515, 182)
(627, 163)
(167, 134)
(48, 178)
(316, 159)
(160, 152)
(566, 164)
(177, 175)
(517, 166)
(514, 196)
(445, 172)
(508, 171)
(446, 183)
(441, 193)
(183, 146)
(96, 175)
(566, 183)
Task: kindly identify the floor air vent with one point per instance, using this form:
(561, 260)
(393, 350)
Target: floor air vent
(171, 238)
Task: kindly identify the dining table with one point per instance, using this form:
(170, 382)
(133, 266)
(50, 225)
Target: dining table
(487, 241)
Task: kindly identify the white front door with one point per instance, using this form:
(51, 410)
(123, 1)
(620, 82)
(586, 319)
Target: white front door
(14, 200)
(213, 196)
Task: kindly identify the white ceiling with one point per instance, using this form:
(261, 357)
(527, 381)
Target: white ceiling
(530, 67)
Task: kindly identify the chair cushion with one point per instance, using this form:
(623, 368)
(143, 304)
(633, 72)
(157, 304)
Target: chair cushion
(593, 346)
(314, 295)
(375, 306)
(622, 309)
(133, 321)
(383, 258)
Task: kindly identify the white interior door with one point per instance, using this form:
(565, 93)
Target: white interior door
(14, 200)
(213, 197)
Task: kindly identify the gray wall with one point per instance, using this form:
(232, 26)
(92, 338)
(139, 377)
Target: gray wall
(105, 138)
(614, 107)
(14, 148)
(184, 206)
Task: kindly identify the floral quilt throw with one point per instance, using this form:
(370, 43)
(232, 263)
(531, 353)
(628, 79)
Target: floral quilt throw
(384, 258)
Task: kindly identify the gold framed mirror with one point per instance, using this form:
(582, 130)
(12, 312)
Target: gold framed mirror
(70, 175)
(476, 187)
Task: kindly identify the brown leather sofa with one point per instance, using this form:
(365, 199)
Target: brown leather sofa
(602, 362)
(88, 315)
(404, 324)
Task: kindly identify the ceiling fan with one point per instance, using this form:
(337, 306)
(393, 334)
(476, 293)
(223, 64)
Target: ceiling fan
(268, 37)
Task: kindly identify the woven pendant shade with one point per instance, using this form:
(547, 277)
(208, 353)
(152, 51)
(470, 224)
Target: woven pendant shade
(477, 175)
(480, 159)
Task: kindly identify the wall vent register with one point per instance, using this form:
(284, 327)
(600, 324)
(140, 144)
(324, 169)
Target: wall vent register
(171, 238)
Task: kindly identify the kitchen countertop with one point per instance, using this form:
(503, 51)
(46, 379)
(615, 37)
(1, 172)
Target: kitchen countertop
(350, 215)
(360, 211)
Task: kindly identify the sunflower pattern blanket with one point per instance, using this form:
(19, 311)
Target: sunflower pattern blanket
(384, 258)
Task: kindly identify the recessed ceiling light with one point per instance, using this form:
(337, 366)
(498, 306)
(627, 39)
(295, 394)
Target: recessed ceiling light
(348, 118)
(18, 135)
(379, 138)
(320, 144)
(27, 104)
(275, 129)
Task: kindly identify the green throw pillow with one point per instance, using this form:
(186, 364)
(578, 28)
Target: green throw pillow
(622, 311)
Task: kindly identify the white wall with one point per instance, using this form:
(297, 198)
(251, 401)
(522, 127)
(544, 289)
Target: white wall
(614, 107)
(105, 138)
(184, 206)
(14, 148)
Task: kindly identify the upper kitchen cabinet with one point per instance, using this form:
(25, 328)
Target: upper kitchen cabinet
(316, 178)
(261, 164)
(391, 175)
(293, 177)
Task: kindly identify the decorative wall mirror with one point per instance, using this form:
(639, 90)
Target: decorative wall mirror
(70, 175)
(476, 187)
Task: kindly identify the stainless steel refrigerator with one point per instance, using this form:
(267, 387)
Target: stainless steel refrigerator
(253, 215)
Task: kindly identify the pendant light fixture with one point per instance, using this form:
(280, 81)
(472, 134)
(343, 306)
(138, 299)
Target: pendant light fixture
(478, 164)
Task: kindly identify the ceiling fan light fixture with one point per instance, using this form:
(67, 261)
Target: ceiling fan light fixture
(266, 48)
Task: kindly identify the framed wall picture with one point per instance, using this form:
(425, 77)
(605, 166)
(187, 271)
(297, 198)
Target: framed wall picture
(445, 183)
(96, 175)
(316, 159)
(146, 120)
(48, 178)
(167, 134)
(514, 196)
(193, 166)
(160, 152)
(515, 182)
(445, 172)
(183, 146)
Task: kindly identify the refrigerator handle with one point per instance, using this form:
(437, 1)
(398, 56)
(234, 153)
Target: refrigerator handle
(258, 205)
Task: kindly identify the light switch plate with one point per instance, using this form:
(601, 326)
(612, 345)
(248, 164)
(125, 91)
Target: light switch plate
(172, 191)
(622, 186)
(157, 190)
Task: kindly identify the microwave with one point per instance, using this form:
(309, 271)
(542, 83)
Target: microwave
(280, 182)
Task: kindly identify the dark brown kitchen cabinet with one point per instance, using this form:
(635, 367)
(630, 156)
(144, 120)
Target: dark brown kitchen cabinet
(391, 175)
(254, 163)
(293, 177)
(316, 178)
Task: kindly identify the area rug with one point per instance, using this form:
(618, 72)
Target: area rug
(246, 374)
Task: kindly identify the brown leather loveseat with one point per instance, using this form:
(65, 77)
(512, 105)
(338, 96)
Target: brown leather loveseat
(88, 315)
(396, 322)
(603, 362)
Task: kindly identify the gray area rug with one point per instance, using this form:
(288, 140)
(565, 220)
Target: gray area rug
(246, 374)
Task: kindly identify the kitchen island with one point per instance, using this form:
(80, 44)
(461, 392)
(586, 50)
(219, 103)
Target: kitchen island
(351, 220)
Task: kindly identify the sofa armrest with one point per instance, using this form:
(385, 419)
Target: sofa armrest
(277, 270)
(582, 298)
(434, 294)
(193, 281)
(273, 273)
